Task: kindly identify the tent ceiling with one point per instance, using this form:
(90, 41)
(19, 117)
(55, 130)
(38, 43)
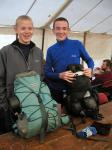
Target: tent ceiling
(11, 9)
(84, 15)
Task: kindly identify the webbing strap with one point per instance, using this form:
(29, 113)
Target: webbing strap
(44, 120)
(98, 139)
(72, 127)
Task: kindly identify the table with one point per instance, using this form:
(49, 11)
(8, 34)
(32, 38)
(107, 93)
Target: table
(61, 139)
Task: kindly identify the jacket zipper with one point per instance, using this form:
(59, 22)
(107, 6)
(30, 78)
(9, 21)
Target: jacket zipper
(28, 67)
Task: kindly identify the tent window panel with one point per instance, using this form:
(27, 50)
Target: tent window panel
(6, 39)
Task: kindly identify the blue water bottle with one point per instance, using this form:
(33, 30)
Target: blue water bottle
(87, 132)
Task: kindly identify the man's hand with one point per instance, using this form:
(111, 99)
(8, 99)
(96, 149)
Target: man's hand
(67, 76)
(88, 72)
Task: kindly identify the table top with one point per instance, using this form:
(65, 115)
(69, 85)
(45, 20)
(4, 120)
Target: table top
(61, 139)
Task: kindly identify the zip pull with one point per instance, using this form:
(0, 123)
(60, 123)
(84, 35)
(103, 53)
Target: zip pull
(29, 68)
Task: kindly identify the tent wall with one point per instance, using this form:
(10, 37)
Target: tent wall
(8, 31)
(37, 37)
(99, 46)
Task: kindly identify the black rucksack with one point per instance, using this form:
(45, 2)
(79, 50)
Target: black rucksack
(81, 99)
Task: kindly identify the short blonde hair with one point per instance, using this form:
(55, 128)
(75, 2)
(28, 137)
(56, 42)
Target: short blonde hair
(23, 17)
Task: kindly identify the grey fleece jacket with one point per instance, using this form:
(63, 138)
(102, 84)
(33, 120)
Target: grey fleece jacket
(12, 62)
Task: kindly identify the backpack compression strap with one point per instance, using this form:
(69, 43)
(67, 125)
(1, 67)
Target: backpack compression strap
(44, 120)
(44, 117)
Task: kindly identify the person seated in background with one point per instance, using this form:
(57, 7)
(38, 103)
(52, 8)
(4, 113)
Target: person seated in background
(105, 67)
(103, 78)
(103, 73)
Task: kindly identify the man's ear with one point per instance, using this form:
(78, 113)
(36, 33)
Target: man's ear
(34, 30)
(69, 31)
(15, 28)
(53, 31)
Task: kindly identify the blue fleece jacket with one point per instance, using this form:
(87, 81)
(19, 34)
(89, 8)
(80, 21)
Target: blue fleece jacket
(60, 55)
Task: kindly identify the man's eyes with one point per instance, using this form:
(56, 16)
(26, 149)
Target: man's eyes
(26, 28)
(62, 28)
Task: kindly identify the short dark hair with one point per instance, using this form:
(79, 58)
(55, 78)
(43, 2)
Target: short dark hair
(60, 19)
(108, 62)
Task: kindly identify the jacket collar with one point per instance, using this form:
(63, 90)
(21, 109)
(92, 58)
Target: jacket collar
(17, 43)
(62, 42)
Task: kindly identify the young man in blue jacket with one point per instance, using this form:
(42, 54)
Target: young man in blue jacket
(64, 52)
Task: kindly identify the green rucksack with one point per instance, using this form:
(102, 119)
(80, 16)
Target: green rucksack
(38, 111)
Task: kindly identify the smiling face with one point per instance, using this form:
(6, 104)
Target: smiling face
(61, 29)
(104, 66)
(24, 29)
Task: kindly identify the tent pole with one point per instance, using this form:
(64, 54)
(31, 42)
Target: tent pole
(43, 39)
(57, 13)
(84, 39)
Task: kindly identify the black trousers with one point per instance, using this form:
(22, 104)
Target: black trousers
(5, 122)
(57, 95)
